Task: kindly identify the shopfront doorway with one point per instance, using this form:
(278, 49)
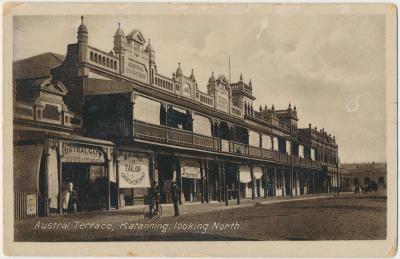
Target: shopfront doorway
(89, 182)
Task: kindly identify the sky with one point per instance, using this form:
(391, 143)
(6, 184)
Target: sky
(332, 67)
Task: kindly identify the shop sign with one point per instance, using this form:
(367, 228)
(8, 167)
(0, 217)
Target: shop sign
(134, 170)
(191, 172)
(31, 204)
(75, 153)
(190, 169)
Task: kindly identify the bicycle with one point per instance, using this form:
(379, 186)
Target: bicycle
(155, 213)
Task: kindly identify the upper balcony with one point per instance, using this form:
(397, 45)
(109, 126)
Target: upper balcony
(159, 134)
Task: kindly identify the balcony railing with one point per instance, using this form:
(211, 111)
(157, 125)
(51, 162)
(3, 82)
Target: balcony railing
(180, 137)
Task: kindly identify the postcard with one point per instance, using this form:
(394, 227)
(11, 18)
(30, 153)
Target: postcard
(202, 129)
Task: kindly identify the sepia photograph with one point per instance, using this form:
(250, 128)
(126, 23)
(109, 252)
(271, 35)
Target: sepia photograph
(230, 123)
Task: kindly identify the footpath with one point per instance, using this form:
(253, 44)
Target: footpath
(136, 212)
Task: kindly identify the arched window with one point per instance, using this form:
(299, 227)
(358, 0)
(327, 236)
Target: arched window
(104, 61)
(108, 62)
(95, 58)
(91, 56)
(115, 64)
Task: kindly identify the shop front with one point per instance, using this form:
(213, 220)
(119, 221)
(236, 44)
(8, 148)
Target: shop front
(81, 182)
(191, 180)
(55, 174)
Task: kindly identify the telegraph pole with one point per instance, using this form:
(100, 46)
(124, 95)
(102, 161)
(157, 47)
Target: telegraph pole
(291, 156)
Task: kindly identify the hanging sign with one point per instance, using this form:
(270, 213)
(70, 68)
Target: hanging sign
(31, 204)
(190, 169)
(134, 170)
(76, 153)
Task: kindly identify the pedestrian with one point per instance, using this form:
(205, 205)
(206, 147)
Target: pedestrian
(175, 195)
(66, 198)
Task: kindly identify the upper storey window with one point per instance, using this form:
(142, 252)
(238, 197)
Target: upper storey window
(136, 49)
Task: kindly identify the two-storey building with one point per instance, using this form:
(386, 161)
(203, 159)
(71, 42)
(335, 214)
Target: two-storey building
(111, 124)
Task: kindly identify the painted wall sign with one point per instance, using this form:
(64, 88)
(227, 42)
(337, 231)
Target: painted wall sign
(134, 170)
(75, 153)
(31, 204)
(222, 104)
(136, 70)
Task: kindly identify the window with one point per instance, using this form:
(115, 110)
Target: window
(91, 56)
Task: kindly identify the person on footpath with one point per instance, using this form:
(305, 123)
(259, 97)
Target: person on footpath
(175, 195)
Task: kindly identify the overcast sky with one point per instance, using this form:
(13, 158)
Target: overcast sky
(331, 67)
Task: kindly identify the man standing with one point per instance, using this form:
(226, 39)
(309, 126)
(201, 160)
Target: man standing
(175, 193)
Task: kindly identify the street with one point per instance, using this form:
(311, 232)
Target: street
(344, 217)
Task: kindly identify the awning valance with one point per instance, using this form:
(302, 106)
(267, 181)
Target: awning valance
(244, 174)
(257, 172)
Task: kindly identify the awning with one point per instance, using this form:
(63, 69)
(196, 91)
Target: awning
(190, 168)
(201, 125)
(147, 110)
(244, 174)
(26, 167)
(257, 172)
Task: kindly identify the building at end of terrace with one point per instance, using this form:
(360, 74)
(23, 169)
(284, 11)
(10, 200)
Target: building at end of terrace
(110, 124)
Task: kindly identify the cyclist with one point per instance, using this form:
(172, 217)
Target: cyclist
(155, 199)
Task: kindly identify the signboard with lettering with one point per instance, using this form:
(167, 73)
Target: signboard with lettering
(222, 104)
(190, 169)
(136, 70)
(134, 170)
(31, 204)
(76, 153)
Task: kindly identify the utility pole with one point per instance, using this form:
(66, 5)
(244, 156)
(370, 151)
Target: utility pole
(291, 156)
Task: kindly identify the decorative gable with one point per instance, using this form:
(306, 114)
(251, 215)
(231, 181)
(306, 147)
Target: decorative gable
(137, 36)
(52, 86)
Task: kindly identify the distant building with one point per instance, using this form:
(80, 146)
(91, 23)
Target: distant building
(364, 173)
